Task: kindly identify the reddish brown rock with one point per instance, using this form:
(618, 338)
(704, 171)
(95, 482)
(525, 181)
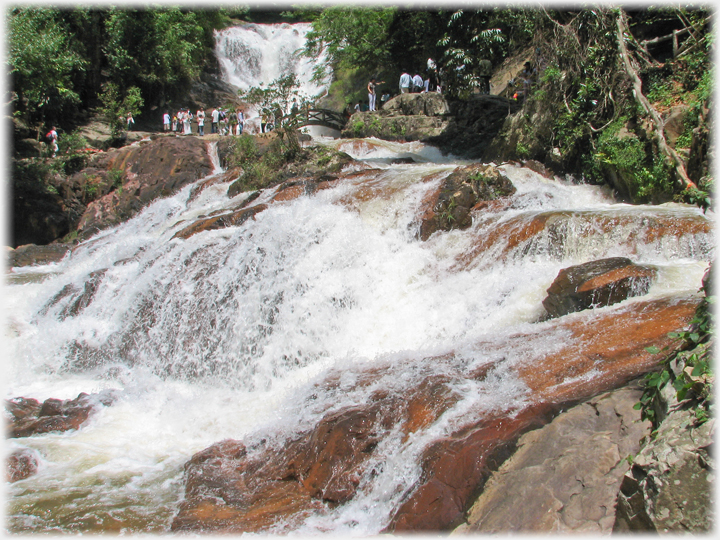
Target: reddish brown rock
(449, 206)
(21, 464)
(150, 169)
(611, 346)
(596, 284)
(220, 221)
(504, 236)
(30, 417)
(233, 489)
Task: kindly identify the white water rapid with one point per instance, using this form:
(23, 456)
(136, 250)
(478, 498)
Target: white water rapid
(222, 335)
(230, 333)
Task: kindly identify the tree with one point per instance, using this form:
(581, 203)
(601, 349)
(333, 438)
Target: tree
(277, 100)
(117, 104)
(352, 37)
(41, 62)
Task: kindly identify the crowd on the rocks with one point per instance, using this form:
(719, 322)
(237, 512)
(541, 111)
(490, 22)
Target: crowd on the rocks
(223, 121)
(432, 83)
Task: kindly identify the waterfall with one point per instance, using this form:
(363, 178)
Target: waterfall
(253, 55)
(231, 332)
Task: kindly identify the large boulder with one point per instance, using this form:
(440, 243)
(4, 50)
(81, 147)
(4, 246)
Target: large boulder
(279, 481)
(145, 171)
(474, 124)
(596, 284)
(449, 207)
(565, 476)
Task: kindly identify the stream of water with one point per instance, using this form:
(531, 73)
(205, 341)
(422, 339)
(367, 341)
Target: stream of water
(225, 334)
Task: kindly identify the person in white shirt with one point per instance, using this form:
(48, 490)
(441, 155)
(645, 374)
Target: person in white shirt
(166, 122)
(417, 83)
(201, 121)
(215, 117)
(405, 82)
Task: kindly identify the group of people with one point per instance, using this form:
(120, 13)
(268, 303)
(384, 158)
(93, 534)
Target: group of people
(222, 121)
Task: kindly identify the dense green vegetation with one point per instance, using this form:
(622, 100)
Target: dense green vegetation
(65, 61)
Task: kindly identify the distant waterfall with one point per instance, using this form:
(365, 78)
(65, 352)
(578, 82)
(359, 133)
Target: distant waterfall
(252, 55)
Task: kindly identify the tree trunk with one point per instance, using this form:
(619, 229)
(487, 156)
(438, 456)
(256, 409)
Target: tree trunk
(675, 159)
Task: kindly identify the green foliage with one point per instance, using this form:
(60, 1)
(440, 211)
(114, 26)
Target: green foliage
(41, 61)
(116, 105)
(646, 174)
(695, 374)
(351, 36)
(116, 177)
(696, 196)
(358, 127)
(72, 156)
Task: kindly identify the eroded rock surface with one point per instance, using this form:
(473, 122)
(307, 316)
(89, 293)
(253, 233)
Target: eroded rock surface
(32, 254)
(449, 207)
(148, 170)
(564, 477)
(27, 416)
(596, 284)
(254, 489)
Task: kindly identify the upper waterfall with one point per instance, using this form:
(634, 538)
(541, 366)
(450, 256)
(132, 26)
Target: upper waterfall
(252, 55)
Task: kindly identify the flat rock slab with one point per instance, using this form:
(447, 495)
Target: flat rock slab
(564, 477)
(31, 254)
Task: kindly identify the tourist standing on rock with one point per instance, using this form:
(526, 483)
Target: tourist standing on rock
(130, 121)
(484, 74)
(405, 82)
(52, 137)
(240, 121)
(417, 82)
(166, 121)
(372, 95)
(174, 122)
(215, 117)
(527, 75)
(201, 121)
(187, 129)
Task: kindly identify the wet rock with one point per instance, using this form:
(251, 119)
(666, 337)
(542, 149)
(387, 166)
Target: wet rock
(229, 219)
(456, 468)
(550, 231)
(255, 489)
(564, 477)
(32, 254)
(592, 358)
(28, 417)
(596, 284)
(449, 206)
(150, 169)
(21, 464)
(230, 488)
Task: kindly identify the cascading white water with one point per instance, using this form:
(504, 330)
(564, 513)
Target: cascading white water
(254, 55)
(225, 334)
(228, 333)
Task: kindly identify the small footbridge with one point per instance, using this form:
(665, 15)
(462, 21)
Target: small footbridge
(321, 117)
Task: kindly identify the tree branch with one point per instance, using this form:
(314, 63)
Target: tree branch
(622, 29)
